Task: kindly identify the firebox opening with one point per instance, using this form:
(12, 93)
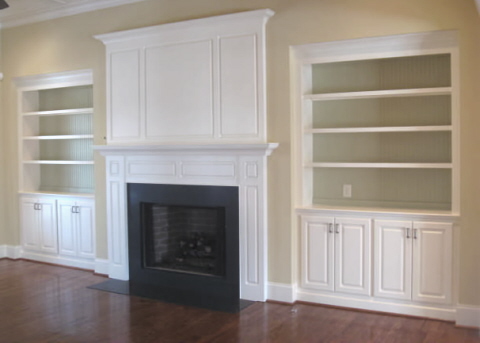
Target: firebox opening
(184, 239)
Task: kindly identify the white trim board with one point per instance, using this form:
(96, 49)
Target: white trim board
(468, 316)
(55, 10)
(10, 251)
(282, 292)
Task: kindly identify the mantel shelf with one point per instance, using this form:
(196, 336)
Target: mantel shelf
(381, 129)
(240, 149)
(379, 94)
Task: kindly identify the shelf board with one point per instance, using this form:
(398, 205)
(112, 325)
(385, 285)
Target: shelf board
(66, 112)
(381, 129)
(56, 162)
(379, 165)
(379, 94)
(52, 137)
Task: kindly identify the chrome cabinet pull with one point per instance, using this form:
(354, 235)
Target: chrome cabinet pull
(408, 232)
(330, 227)
(415, 233)
(336, 228)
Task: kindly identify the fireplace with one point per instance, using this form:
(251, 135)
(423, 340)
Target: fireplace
(183, 244)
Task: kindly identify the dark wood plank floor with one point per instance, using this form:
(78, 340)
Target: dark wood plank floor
(42, 303)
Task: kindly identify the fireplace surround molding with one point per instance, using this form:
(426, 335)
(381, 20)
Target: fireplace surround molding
(240, 165)
(177, 120)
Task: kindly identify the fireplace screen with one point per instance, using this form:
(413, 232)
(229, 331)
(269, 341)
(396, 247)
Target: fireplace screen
(184, 239)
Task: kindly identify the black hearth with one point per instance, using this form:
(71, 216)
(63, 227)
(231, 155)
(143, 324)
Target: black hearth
(183, 244)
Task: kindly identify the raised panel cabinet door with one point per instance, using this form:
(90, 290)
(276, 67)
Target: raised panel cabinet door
(85, 219)
(393, 259)
(432, 262)
(30, 224)
(66, 228)
(317, 253)
(48, 226)
(352, 255)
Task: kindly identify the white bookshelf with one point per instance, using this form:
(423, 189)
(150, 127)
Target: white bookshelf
(55, 114)
(384, 123)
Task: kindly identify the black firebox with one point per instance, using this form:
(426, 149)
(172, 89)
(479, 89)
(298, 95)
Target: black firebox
(183, 243)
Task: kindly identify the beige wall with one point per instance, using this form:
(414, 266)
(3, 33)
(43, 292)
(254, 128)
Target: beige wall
(67, 44)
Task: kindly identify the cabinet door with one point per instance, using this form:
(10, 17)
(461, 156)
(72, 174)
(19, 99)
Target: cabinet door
(48, 225)
(352, 255)
(66, 228)
(29, 224)
(85, 222)
(432, 266)
(317, 253)
(393, 259)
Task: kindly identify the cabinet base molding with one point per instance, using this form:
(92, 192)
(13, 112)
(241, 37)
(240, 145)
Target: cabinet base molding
(379, 305)
(282, 292)
(10, 251)
(468, 316)
(60, 260)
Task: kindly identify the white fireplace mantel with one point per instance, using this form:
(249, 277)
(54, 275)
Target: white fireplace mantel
(241, 165)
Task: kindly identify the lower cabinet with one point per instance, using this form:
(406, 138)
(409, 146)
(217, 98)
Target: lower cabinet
(378, 263)
(38, 224)
(413, 261)
(76, 228)
(336, 254)
(58, 229)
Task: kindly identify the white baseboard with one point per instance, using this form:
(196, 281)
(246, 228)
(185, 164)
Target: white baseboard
(374, 304)
(468, 316)
(60, 260)
(282, 292)
(10, 251)
(101, 266)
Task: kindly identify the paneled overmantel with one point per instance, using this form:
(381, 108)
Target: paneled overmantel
(242, 165)
(199, 80)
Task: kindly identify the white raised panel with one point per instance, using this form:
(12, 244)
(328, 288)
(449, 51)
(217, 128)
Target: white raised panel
(29, 223)
(124, 115)
(151, 168)
(48, 225)
(252, 235)
(317, 253)
(239, 114)
(66, 228)
(432, 267)
(85, 221)
(208, 169)
(393, 259)
(352, 255)
(179, 91)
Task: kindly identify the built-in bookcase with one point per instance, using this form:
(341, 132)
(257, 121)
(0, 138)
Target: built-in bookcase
(56, 133)
(378, 128)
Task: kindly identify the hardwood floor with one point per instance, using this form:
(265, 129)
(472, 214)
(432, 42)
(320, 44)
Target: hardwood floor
(42, 303)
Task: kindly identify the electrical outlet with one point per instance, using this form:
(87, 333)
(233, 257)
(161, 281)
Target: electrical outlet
(347, 191)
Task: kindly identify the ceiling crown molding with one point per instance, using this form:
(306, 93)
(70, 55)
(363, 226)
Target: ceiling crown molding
(34, 15)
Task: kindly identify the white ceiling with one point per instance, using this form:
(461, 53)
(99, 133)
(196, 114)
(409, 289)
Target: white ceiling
(29, 11)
